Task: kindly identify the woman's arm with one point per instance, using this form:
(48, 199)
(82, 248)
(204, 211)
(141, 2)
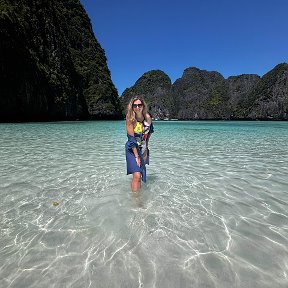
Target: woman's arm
(130, 131)
(148, 118)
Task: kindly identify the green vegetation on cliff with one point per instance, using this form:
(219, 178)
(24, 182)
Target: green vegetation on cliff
(52, 67)
(154, 86)
(201, 94)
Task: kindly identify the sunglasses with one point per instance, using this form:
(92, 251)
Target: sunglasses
(137, 105)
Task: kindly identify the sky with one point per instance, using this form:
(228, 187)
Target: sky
(231, 37)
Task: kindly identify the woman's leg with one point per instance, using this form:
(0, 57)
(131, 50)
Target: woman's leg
(136, 182)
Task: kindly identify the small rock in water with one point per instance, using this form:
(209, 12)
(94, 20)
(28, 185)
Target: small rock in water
(55, 203)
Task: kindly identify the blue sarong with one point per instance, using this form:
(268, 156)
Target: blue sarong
(130, 157)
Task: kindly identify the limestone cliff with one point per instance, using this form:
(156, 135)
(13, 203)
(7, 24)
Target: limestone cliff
(269, 99)
(52, 67)
(239, 89)
(155, 87)
(201, 94)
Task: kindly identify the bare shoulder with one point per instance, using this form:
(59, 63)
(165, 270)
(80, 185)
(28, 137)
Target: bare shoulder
(129, 127)
(129, 123)
(148, 118)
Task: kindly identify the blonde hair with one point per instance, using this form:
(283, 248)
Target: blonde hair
(131, 116)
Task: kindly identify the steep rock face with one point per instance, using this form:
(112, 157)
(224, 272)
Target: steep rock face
(155, 88)
(201, 95)
(239, 88)
(269, 99)
(52, 67)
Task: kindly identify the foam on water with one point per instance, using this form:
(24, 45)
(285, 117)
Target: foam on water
(212, 214)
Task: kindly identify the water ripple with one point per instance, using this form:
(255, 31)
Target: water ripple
(212, 214)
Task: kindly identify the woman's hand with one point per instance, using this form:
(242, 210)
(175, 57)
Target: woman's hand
(138, 161)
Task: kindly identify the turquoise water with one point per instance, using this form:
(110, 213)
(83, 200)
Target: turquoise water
(212, 214)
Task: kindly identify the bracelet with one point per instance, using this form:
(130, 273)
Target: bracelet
(137, 157)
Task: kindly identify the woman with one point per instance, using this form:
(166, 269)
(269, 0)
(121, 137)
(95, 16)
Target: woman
(139, 128)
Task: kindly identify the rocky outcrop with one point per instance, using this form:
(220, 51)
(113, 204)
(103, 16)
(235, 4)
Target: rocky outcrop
(155, 88)
(269, 99)
(239, 89)
(201, 94)
(52, 67)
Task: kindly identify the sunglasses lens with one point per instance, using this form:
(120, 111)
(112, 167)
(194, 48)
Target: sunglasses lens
(137, 105)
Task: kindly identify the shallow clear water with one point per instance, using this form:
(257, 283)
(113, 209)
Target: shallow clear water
(212, 214)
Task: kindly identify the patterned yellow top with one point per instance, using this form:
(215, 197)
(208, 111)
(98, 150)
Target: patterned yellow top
(138, 128)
